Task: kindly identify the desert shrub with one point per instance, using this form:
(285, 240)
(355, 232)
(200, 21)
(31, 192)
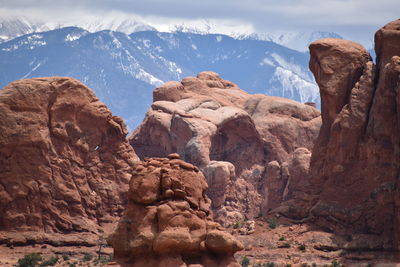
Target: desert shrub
(272, 223)
(50, 262)
(245, 261)
(282, 238)
(66, 256)
(302, 247)
(30, 260)
(103, 259)
(87, 256)
(335, 263)
(285, 245)
(268, 264)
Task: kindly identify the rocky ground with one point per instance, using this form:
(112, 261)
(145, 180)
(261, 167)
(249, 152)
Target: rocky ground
(278, 243)
(274, 242)
(66, 256)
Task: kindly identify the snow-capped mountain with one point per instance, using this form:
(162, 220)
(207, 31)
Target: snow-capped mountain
(123, 69)
(295, 40)
(13, 27)
(118, 24)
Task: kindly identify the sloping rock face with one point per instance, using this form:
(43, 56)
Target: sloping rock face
(168, 221)
(355, 165)
(243, 143)
(64, 161)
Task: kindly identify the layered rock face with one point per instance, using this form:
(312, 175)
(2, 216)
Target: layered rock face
(64, 161)
(168, 221)
(245, 144)
(355, 165)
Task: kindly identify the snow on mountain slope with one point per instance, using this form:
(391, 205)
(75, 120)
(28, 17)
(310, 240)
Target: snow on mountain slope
(118, 24)
(291, 80)
(295, 40)
(123, 69)
(13, 27)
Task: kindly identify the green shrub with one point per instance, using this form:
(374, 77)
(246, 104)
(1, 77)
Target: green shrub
(285, 245)
(65, 256)
(288, 265)
(282, 238)
(269, 264)
(87, 256)
(50, 262)
(245, 261)
(103, 259)
(272, 223)
(335, 263)
(30, 260)
(302, 247)
(236, 225)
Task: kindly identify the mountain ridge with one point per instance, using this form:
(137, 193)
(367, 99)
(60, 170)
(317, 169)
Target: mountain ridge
(123, 69)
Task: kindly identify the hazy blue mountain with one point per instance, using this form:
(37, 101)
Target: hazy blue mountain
(123, 69)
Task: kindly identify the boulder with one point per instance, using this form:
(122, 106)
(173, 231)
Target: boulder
(173, 227)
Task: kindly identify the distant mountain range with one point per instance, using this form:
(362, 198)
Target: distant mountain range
(295, 40)
(14, 27)
(124, 68)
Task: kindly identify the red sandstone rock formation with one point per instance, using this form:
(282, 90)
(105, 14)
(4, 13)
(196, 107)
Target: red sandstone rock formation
(243, 143)
(168, 221)
(355, 165)
(64, 160)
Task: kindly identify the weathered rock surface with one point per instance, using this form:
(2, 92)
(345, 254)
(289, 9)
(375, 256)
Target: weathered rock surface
(168, 221)
(232, 136)
(355, 164)
(64, 161)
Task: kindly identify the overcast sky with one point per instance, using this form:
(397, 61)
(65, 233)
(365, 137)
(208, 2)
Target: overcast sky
(355, 19)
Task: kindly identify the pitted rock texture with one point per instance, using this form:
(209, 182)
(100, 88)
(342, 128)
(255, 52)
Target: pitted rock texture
(355, 165)
(168, 221)
(64, 161)
(232, 137)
